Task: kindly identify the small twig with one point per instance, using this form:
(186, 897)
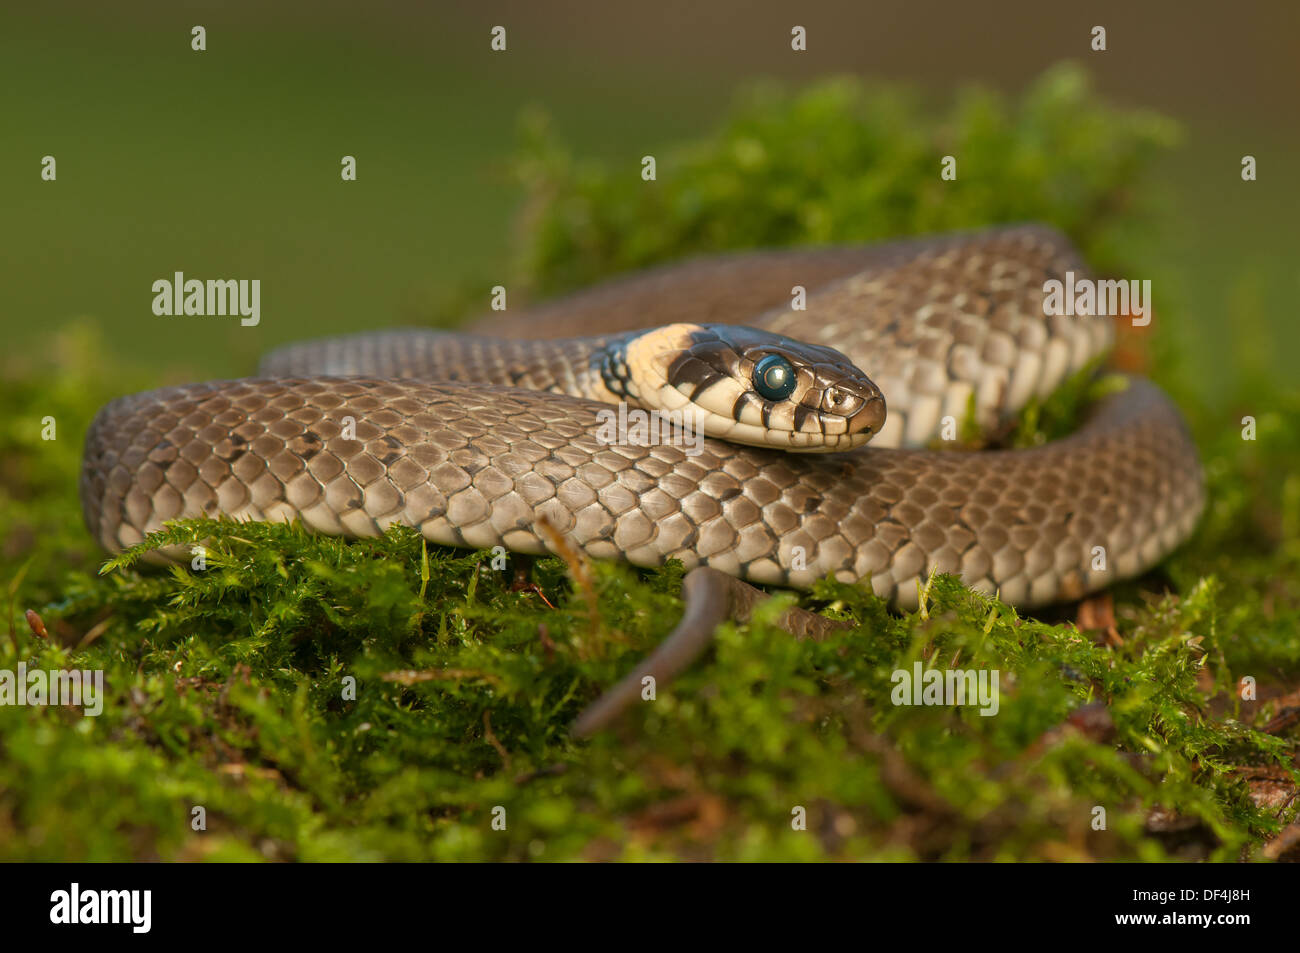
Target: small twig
(579, 568)
(551, 771)
(1287, 803)
(492, 739)
(523, 585)
(1285, 718)
(1286, 842)
(409, 676)
(548, 644)
(94, 632)
(12, 593)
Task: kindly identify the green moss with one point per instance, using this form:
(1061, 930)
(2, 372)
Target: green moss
(228, 688)
(842, 162)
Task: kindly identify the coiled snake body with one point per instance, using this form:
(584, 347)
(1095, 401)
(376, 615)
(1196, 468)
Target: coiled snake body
(467, 439)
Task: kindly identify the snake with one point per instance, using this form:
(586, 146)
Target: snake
(779, 461)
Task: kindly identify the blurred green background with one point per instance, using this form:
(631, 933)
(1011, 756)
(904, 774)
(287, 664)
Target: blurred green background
(226, 163)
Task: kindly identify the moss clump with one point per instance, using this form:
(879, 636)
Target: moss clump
(843, 162)
(228, 689)
(381, 699)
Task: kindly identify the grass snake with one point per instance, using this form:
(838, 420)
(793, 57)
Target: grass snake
(472, 438)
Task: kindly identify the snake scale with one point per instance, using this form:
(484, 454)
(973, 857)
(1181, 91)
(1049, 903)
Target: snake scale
(472, 439)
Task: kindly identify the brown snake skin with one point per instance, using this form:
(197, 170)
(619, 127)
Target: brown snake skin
(475, 464)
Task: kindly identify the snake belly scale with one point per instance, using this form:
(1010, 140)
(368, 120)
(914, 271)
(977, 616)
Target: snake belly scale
(471, 441)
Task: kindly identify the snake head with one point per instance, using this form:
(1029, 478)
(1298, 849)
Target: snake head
(755, 387)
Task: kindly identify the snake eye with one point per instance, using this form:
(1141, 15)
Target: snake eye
(774, 377)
